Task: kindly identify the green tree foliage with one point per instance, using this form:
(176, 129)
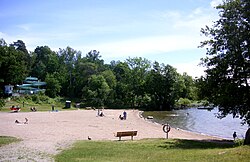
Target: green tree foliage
(45, 62)
(132, 83)
(13, 66)
(67, 60)
(53, 86)
(20, 46)
(137, 75)
(227, 79)
(122, 73)
(189, 89)
(162, 86)
(84, 70)
(2, 42)
(97, 90)
(2, 103)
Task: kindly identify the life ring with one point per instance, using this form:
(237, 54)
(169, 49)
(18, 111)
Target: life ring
(166, 128)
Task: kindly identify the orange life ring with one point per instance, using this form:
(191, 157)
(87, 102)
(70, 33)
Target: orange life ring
(166, 128)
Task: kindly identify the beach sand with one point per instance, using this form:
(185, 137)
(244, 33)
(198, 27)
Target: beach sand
(47, 133)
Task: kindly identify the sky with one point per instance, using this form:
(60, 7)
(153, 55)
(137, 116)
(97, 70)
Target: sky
(165, 31)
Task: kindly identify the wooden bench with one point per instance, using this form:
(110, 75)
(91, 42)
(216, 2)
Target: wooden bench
(126, 133)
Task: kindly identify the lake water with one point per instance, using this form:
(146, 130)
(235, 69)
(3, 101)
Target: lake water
(200, 121)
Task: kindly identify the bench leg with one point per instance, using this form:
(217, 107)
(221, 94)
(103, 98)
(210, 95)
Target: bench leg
(120, 138)
(132, 138)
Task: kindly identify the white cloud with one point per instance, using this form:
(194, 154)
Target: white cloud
(191, 68)
(215, 3)
(25, 27)
(144, 46)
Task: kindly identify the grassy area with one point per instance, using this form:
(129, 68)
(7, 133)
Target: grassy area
(41, 103)
(154, 150)
(4, 140)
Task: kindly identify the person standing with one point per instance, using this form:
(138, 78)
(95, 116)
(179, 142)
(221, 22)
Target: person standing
(124, 115)
(234, 135)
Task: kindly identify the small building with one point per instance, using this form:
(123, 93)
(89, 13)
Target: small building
(31, 85)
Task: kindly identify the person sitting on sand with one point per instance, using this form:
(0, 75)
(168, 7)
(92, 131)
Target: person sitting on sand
(17, 121)
(26, 121)
(120, 117)
(101, 114)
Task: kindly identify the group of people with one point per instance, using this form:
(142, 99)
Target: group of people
(124, 117)
(121, 117)
(26, 121)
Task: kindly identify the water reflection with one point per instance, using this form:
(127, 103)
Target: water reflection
(201, 121)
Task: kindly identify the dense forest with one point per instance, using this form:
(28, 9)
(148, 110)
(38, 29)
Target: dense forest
(136, 82)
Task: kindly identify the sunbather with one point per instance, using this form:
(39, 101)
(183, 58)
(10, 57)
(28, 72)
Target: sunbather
(17, 121)
(26, 121)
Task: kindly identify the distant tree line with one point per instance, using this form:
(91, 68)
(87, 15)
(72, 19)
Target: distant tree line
(135, 82)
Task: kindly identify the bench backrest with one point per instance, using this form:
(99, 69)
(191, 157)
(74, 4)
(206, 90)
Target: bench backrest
(126, 133)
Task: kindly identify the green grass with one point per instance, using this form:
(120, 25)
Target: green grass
(39, 105)
(5, 140)
(153, 150)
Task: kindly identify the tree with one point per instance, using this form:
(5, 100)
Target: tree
(20, 46)
(122, 73)
(111, 81)
(45, 62)
(67, 60)
(12, 65)
(139, 68)
(53, 86)
(84, 70)
(2, 42)
(188, 90)
(93, 56)
(97, 90)
(227, 79)
(162, 86)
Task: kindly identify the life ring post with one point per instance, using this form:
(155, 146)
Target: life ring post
(166, 128)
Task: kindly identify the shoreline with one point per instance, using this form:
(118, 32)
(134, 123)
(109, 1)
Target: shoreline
(192, 121)
(47, 133)
(183, 130)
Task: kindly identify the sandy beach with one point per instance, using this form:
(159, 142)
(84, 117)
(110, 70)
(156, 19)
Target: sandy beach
(47, 133)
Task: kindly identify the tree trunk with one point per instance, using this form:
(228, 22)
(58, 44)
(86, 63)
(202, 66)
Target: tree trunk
(247, 137)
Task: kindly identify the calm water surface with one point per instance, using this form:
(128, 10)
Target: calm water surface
(200, 121)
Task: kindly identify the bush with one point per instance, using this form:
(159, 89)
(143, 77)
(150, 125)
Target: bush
(2, 103)
(238, 142)
(36, 98)
(183, 102)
